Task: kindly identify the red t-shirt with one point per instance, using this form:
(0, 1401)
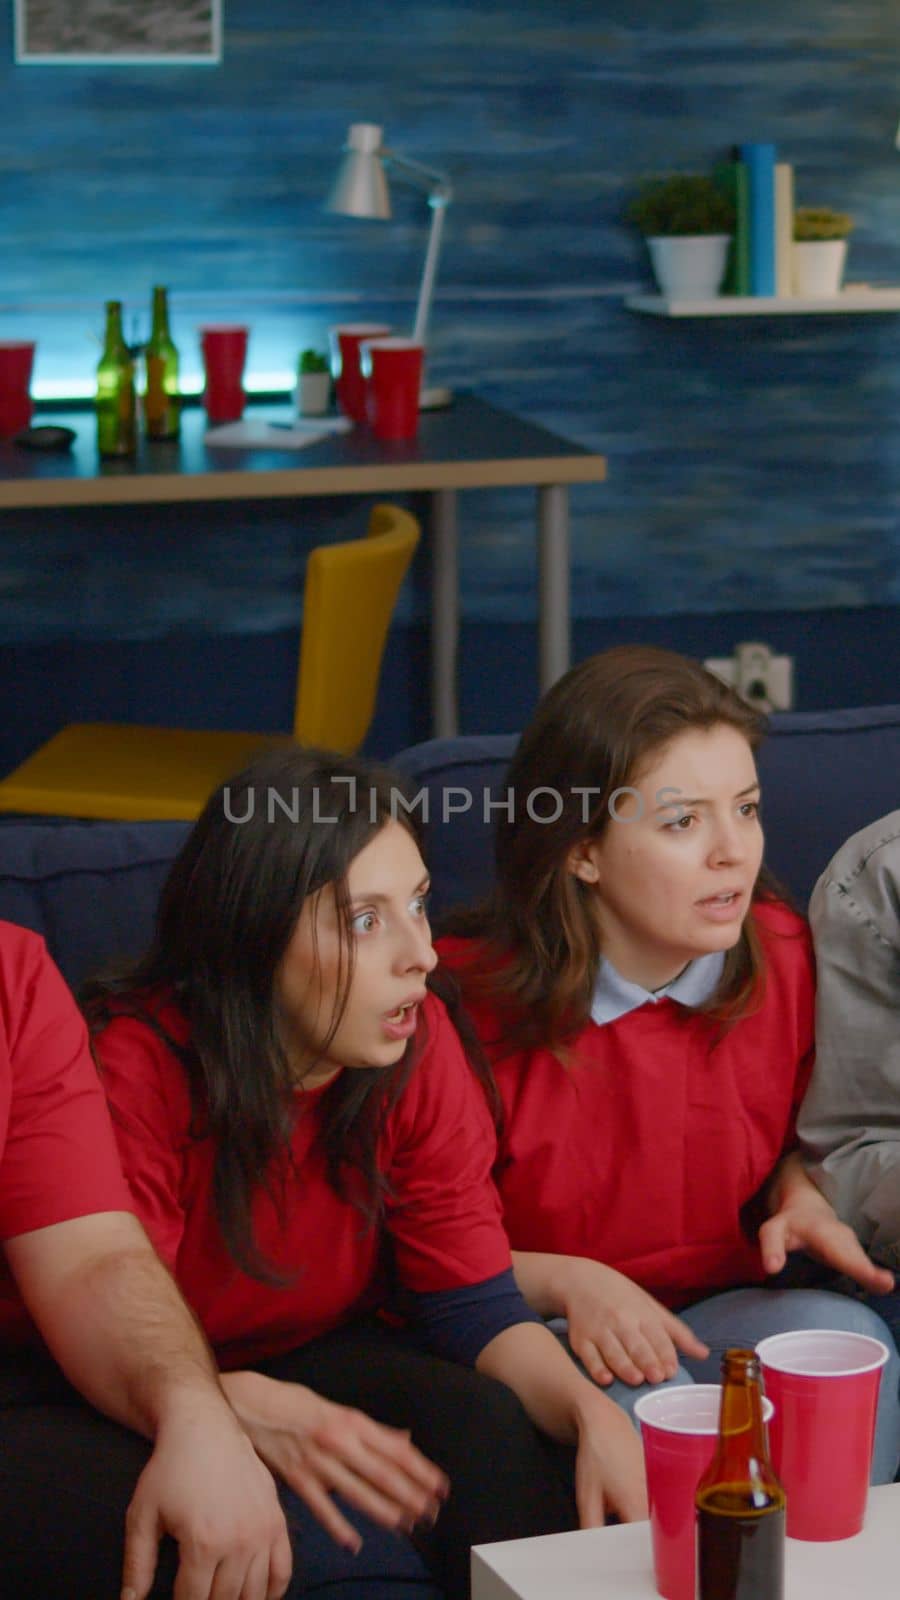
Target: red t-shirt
(643, 1148)
(442, 1211)
(58, 1158)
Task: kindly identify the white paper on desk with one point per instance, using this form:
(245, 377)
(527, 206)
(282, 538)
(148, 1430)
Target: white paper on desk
(254, 434)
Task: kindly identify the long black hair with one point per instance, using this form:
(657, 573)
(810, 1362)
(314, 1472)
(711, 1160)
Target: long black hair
(284, 828)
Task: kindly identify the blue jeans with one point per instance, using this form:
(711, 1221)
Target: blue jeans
(744, 1316)
(887, 1307)
(388, 1567)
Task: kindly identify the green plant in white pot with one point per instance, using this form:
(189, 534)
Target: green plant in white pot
(819, 252)
(313, 384)
(687, 222)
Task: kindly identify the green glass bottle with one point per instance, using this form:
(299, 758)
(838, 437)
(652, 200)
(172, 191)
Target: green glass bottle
(116, 429)
(161, 408)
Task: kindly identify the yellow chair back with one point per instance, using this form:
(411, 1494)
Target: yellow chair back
(349, 598)
(126, 772)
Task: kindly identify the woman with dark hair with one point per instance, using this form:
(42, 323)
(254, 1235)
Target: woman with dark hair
(645, 997)
(306, 1142)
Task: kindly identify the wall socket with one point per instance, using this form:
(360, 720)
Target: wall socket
(758, 675)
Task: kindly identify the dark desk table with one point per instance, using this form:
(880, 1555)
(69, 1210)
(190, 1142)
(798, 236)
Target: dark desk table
(471, 445)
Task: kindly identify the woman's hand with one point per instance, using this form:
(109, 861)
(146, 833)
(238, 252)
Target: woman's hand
(318, 1448)
(617, 1329)
(802, 1219)
(609, 1466)
(609, 1469)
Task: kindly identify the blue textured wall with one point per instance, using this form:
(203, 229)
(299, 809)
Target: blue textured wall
(753, 465)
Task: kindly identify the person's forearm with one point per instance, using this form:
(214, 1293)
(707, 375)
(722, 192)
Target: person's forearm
(125, 1338)
(531, 1361)
(541, 1279)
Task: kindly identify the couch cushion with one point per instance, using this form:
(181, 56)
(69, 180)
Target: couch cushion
(90, 888)
(825, 774)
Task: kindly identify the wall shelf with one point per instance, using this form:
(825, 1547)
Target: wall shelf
(855, 298)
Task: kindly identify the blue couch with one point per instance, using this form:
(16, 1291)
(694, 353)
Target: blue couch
(91, 887)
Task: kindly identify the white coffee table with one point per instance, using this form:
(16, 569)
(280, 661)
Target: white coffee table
(616, 1563)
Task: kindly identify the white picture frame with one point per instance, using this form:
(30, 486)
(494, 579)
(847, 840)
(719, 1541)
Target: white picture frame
(118, 32)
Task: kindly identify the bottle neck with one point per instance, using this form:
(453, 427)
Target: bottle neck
(115, 338)
(742, 1455)
(742, 1431)
(160, 324)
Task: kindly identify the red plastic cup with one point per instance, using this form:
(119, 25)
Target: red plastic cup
(350, 384)
(394, 370)
(224, 353)
(16, 361)
(824, 1385)
(679, 1429)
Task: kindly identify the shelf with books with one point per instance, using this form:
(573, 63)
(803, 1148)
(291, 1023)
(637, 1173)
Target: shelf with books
(853, 299)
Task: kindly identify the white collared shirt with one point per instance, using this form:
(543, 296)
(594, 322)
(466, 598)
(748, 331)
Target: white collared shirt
(615, 996)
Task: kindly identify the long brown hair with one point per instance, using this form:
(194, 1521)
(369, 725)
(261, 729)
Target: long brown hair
(592, 734)
(275, 834)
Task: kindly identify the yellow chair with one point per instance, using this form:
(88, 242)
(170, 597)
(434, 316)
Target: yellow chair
(117, 770)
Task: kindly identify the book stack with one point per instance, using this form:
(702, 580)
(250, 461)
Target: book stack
(761, 190)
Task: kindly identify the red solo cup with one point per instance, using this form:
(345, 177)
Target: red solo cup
(679, 1431)
(394, 370)
(824, 1386)
(224, 353)
(16, 361)
(350, 385)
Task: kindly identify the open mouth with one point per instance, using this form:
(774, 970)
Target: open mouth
(402, 1012)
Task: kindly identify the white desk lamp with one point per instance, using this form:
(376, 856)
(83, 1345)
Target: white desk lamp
(361, 190)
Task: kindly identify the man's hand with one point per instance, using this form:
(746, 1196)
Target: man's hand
(609, 1466)
(804, 1220)
(617, 1329)
(318, 1447)
(205, 1485)
(113, 1317)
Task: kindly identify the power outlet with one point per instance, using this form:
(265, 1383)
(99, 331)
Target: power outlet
(759, 676)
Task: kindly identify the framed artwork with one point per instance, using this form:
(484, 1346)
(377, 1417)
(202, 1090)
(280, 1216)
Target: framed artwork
(111, 32)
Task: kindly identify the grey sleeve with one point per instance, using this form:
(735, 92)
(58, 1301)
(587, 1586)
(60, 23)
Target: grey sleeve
(850, 1119)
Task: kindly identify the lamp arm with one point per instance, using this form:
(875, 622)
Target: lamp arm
(439, 190)
(429, 271)
(436, 184)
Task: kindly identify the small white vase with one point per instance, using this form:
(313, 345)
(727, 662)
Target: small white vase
(817, 267)
(690, 266)
(313, 393)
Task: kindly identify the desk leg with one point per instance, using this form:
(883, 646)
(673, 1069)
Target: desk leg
(553, 584)
(444, 613)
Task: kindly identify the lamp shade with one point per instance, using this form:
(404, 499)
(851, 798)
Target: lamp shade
(360, 188)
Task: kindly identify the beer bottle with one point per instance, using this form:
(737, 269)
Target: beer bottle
(116, 434)
(740, 1503)
(161, 408)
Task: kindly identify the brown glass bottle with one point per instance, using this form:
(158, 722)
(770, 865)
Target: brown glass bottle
(116, 431)
(740, 1503)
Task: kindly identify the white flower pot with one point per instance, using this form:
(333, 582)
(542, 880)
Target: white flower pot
(313, 393)
(690, 267)
(817, 267)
